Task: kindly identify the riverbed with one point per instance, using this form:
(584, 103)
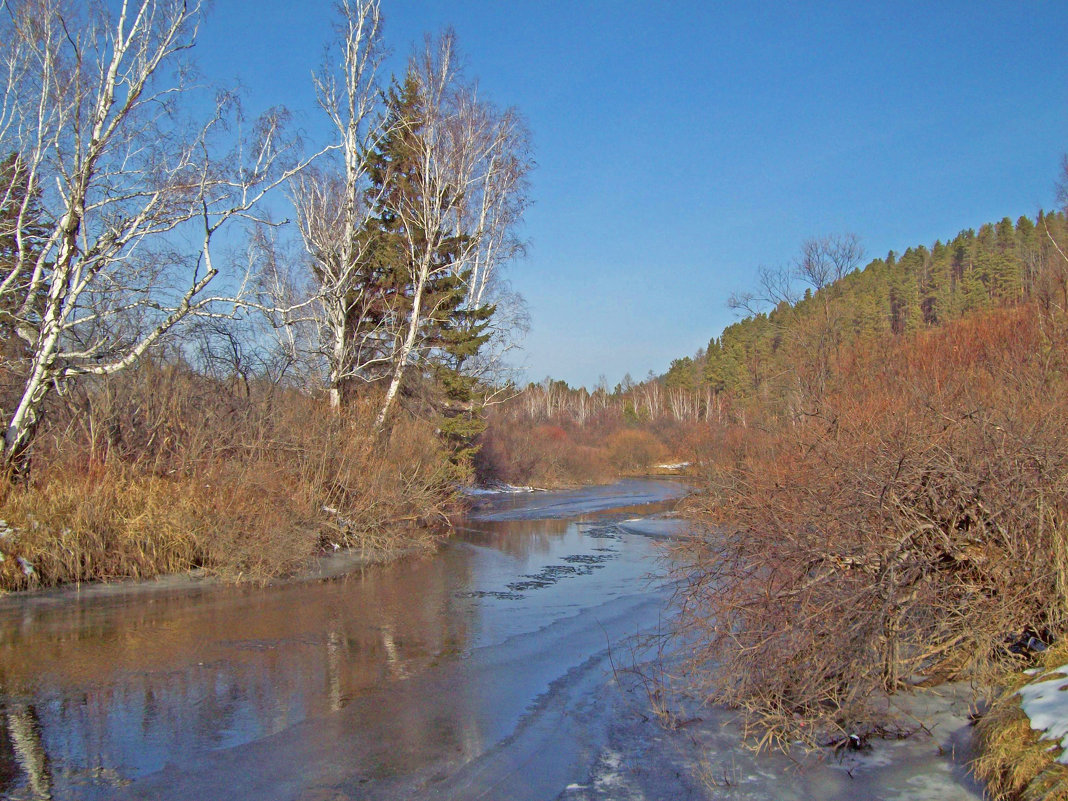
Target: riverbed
(498, 667)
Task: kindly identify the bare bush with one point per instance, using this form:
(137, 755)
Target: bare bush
(633, 450)
(907, 532)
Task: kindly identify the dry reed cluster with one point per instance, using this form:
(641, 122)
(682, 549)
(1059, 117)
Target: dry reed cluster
(1014, 763)
(164, 470)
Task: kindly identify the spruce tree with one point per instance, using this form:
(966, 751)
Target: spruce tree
(451, 334)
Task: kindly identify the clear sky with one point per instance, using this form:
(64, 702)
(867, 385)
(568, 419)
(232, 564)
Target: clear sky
(682, 145)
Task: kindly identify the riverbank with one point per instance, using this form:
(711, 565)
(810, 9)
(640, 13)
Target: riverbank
(328, 559)
(325, 566)
(1023, 736)
(285, 482)
(704, 753)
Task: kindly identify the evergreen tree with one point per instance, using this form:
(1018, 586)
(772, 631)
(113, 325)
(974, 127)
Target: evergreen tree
(460, 416)
(394, 244)
(725, 363)
(682, 374)
(450, 333)
(1027, 252)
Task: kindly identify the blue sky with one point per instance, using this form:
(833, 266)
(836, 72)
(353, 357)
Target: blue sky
(681, 146)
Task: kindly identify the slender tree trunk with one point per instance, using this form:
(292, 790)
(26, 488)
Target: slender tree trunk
(22, 426)
(337, 365)
(401, 359)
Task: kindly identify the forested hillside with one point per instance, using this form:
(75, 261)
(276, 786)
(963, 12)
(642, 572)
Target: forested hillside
(803, 322)
(1000, 264)
(881, 496)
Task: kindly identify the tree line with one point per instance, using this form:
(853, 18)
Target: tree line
(804, 316)
(824, 302)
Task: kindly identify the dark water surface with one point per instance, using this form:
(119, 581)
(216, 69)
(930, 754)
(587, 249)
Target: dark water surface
(462, 674)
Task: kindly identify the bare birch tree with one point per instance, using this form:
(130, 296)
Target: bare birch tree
(333, 207)
(468, 188)
(463, 188)
(116, 185)
(493, 167)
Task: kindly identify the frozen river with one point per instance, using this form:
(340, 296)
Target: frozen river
(483, 671)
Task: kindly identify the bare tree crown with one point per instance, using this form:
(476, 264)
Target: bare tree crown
(114, 180)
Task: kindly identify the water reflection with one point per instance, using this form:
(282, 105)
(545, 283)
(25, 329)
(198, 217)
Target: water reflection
(136, 682)
(96, 693)
(22, 750)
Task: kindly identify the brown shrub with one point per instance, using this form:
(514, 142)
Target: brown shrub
(633, 450)
(585, 464)
(519, 447)
(908, 524)
(163, 470)
(511, 454)
(517, 452)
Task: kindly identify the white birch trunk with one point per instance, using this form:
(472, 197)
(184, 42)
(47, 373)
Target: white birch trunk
(86, 111)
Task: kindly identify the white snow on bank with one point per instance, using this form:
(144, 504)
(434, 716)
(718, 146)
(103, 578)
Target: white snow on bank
(676, 466)
(1046, 705)
(498, 489)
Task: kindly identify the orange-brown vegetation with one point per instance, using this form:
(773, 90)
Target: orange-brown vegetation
(576, 439)
(164, 470)
(634, 450)
(909, 521)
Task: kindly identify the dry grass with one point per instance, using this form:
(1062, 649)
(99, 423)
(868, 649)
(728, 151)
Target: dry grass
(1014, 764)
(165, 471)
(717, 777)
(87, 526)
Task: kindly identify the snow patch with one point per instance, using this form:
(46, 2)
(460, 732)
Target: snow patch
(498, 489)
(610, 771)
(675, 466)
(1045, 703)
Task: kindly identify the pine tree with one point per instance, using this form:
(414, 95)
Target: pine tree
(450, 333)
(1028, 254)
(460, 416)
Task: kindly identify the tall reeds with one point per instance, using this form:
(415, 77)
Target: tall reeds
(166, 470)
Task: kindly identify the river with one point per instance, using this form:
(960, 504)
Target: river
(490, 669)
